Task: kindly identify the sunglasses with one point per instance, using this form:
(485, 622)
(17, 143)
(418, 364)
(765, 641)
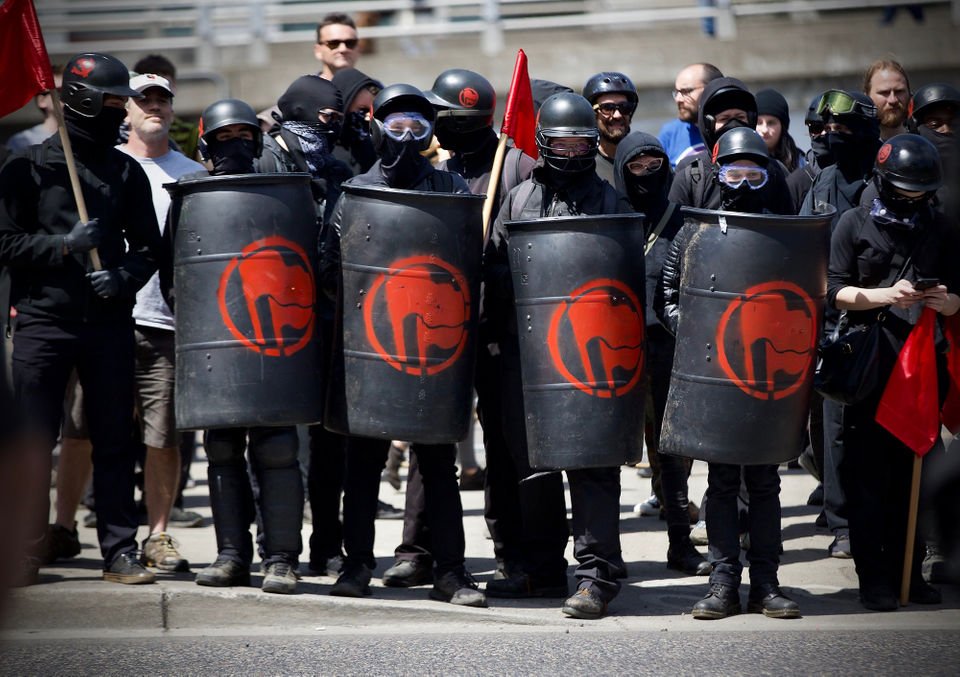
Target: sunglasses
(838, 102)
(645, 166)
(397, 125)
(734, 176)
(608, 109)
(334, 44)
(815, 128)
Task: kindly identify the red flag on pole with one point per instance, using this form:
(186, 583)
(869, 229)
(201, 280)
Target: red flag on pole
(24, 64)
(909, 408)
(950, 413)
(519, 121)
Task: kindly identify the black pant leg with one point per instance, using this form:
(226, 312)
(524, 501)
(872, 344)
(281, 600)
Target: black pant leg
(595, 500)
(273, 456)
(723, 523)
(106, 371)
(443, 509)
(325, 487)
(365, 460)
(415, 544)
(231, 496)
(763, 486)
(834, 443)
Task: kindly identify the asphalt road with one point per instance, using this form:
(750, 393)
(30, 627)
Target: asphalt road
(575, 651)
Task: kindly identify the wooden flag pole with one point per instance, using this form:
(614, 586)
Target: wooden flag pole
(495, 173)
(72, 171)
(911, 531)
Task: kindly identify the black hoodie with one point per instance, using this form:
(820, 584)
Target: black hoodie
(652, 202)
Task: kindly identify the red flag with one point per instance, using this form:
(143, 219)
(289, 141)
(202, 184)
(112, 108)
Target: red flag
(24, 64)
(950, 414)
(909, 408)
(519, 122)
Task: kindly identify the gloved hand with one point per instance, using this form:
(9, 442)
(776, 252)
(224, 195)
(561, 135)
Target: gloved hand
(105, 282)
(85, 236)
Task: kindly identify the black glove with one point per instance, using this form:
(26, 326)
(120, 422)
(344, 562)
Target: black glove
(105, 282)
(84, 236)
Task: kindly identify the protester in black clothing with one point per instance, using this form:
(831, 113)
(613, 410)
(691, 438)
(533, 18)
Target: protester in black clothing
(403, 122)
(643, 174)
(800, 179)
(614, 98)
(233, 141)
(850, 141)
(773, 124)
(70, 315)
(869, 248)
(354, 145)
(725, 104)
(564, 182)
(741, 156)
(846, 150)
(465, 103)
(935, 115)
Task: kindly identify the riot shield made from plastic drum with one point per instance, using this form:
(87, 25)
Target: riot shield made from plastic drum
(752, 290)
(407, 315)
(247, 342)
(579, 288)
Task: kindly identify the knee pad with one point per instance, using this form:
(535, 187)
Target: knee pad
(274, 447)
(224, 446)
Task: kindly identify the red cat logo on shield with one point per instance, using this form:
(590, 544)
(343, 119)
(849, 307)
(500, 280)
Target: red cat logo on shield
(417, 314)
(596, 338)
(266, 297)
(766, 339)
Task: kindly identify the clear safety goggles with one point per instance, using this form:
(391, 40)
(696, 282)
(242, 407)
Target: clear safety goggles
(735, 176)
(397, 125)
(645, 165)
(838, 102)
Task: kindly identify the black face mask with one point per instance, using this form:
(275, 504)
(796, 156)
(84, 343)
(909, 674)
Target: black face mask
(821, 148)
(733, 123)
(948, 146)
(101, 130)
(233, 156)
(647, 190)
(742, 199)
(356, 129)
(309, 145)
(461, 142)
(903, 207)
(401, 162)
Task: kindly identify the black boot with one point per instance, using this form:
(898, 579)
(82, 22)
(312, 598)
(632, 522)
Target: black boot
(768, 599)
(722, 601)
(685, 557)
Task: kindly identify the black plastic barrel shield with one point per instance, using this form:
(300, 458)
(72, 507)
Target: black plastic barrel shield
(407, 315)
(579, 289)
(247, 337)
(751, 302)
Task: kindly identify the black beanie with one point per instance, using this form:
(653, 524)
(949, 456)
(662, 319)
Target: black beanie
(306, 97)
(350, 81)
(771, 102)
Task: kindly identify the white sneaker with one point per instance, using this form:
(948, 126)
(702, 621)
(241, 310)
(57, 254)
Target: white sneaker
(698, 534)
(649, 508)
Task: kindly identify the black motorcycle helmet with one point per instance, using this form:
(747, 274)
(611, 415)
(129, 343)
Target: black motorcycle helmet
(741, 143)
(399, 98)
(609, 83)
(928, 96)
(228, 112)
(87, 77)
(464, 100)
(908, 162)
(564, 115)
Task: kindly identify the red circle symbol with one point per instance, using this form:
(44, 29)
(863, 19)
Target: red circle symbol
(417, 314)
(766, 340)
(884, 153)
(469, 97)
(596, 338)
(266, 297)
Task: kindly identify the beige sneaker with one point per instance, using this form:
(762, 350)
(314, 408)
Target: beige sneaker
(160, 551)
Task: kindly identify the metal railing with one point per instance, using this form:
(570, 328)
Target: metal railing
(71, 26)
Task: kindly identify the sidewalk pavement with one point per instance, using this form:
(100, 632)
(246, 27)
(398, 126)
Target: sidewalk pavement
(71, 600)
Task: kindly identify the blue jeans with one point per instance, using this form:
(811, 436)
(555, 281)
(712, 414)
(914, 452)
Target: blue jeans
(723, 522)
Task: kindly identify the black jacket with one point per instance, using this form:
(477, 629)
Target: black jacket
(801, 178)
(37, 210)
(591, 195)
(831, 186)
